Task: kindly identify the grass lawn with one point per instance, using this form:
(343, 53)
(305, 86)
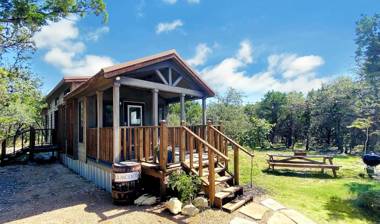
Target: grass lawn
(320, 196)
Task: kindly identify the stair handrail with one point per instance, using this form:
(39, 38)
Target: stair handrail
(240, 148)
(209, 146)
(232, 141)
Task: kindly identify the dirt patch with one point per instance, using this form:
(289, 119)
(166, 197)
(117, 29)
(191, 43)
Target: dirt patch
(51, 193)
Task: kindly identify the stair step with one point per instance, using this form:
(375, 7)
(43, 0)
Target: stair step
(217, 170)
(237, 203)
(196, 164)
(222, 179)
(228, 191)
(218, 180)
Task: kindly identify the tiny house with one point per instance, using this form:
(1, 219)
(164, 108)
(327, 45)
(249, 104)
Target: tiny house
(119, 114)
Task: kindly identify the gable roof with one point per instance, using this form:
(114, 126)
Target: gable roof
(65, 80)
(116, 70)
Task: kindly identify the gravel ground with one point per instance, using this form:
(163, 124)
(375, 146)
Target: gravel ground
(51, 193)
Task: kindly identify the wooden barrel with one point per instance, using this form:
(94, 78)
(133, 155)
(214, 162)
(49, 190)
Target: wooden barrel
(125, 182)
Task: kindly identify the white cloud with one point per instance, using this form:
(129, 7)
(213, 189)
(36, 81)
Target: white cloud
(285, 72)
(89, 65)
(166, 27)
(57, 34)
(202, 51)
(170, 1)
(66, 52)
(95, 35)
(245, 52)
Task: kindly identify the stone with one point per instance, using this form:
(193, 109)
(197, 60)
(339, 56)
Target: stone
(146, 199)
(272, 204)
(200, 202)
(189, 210)
(174, 205)
(254, 210)
(279, 218)
(238, 220)
(297, 217)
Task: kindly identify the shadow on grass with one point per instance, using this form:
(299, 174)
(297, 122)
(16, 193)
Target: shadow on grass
(301, 174)
(343, 208)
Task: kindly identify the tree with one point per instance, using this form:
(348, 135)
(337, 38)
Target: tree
(368, 64)
(333, 108)
(271, 108)
(229, 109)
(193, 112)
(362, 124)
(257, 133)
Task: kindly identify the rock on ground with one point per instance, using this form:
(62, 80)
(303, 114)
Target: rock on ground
(189, 210)
(174, 205)
(279, 218)
(146, 199)
(272, 204)
(254, 210)
(200, 202)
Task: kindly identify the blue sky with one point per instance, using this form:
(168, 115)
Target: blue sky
(254, 46)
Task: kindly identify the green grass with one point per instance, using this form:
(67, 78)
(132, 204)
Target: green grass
(319, 196)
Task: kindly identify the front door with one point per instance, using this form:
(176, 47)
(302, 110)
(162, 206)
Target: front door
(133, 114)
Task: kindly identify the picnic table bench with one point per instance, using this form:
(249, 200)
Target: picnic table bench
(303, 161)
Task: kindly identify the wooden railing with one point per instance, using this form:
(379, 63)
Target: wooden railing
(106, 144)
(92, 142)
(139, 143)
(27, 139)
(219, 140)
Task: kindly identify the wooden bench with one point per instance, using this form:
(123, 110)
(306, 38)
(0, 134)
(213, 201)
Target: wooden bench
(302, 161)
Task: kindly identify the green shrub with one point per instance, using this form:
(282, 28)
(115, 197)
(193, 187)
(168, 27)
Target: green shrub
(187, 186)
(370, 200)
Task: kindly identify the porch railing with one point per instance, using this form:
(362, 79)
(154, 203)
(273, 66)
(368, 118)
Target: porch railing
(92, 142)
(106, 144)
(139, 143)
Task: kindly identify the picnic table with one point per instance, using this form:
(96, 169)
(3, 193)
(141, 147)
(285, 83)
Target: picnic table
(302, 161)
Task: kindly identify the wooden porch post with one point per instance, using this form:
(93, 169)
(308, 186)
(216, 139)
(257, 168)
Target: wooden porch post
(99, 108)
(204, 118)
(116, 121)
(155, 107)
(183, 115)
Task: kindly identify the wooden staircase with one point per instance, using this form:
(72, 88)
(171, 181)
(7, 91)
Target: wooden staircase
(227, 196)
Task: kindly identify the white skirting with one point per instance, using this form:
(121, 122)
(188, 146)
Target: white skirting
(101, 176)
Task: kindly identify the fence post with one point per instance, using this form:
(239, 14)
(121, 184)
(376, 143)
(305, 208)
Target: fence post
(3, 151)
(182, 142)
(163, 145)
(32, 142)
(211, 168)
(236, 164)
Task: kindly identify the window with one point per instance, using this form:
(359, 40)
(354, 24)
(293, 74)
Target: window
(66, 91)
(56, 101)
(81, 121)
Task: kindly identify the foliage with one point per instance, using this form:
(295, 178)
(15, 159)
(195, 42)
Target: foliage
(229, 110)
(21, 102)
(193, 111)
(257, 133)
(187, 186)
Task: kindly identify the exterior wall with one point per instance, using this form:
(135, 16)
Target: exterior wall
(97, 173)
(52, 107)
